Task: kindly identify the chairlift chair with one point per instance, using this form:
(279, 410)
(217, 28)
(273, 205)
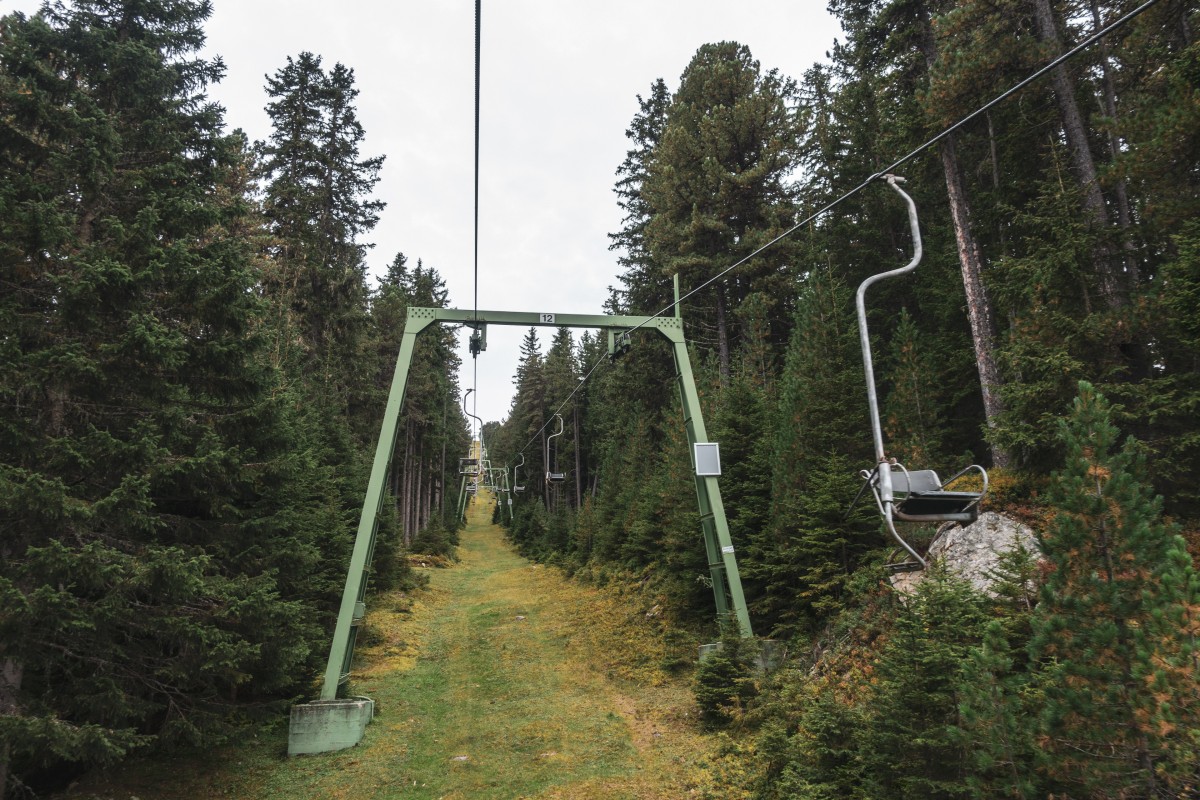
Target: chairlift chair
(902, 494)
(480, 464)
(468, 466)
(517, 487)
(551, 475)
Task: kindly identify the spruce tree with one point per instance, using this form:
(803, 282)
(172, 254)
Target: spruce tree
(527, 417)
(911, 748)
(995, 720)
(561, 375)
(800, 561)
(1113, 634)
(724, 682)
(316, 202)
(911, 410)
(151, 567)
(647, 288)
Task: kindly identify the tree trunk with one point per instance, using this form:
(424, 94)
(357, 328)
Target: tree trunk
(406, 492)
(11, 672)
(578, 469)
(396, 474)
(442, 470)
(427, 506)
(979, 306)
(1108, 101)
(1081, 157)
(722, 337)
(419, 478)
(546, 468)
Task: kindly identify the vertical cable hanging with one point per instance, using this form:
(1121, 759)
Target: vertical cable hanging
(475, 332)
(478, 25)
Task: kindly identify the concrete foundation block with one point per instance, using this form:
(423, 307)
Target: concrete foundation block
(327, 725)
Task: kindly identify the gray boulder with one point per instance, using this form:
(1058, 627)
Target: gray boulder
(973, 552)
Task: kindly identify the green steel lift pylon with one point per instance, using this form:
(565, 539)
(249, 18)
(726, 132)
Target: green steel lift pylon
(332, 723)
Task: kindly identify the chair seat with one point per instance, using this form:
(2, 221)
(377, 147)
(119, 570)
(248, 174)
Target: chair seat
(939, 504)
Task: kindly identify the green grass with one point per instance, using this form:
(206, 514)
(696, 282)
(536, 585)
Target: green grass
(503, 681)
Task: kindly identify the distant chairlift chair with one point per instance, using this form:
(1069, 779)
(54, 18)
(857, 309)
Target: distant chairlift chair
(900, 493)
(517, 487)
(551, 475)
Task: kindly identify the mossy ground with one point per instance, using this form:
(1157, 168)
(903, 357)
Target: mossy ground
(502, 680)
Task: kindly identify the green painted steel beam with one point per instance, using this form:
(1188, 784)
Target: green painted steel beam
(722, 562)
(350, 612)
(462, 499)
(546, 319)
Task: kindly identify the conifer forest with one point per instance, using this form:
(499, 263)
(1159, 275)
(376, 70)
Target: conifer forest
(197, 343)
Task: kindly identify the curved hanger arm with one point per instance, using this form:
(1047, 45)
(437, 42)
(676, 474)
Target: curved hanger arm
(550, 438)
(477, 419)
(864, 336)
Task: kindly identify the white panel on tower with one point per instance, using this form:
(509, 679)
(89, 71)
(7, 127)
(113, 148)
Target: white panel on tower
(708, 458)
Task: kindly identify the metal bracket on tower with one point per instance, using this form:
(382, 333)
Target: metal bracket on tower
(618, 344)
(478, 339)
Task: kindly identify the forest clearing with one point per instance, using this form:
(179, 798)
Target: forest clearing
(960, 510)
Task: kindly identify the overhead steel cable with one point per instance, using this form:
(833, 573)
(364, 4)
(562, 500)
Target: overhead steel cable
(478, 37)
(1069, 54)
(474, 352)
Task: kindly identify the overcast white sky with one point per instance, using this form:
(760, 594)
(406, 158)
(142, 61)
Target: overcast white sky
(559, 87)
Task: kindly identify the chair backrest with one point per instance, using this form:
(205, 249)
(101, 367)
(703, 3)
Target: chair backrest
(916, 481)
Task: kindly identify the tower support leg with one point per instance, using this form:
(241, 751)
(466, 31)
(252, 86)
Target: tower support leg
(330, 723)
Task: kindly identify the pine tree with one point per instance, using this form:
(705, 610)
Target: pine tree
(717, 187)
(1113, 634)
(432, 427)
(724, 683)
(798, 563)
(646, 286)
(911, 410)
(561, 375)
(527, 415)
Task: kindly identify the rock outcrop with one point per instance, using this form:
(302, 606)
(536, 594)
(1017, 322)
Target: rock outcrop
(973, 552)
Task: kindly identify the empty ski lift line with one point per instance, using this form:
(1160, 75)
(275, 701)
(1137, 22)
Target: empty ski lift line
(352, 606)
(917, 495)
(723, 569)
(471, 467)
